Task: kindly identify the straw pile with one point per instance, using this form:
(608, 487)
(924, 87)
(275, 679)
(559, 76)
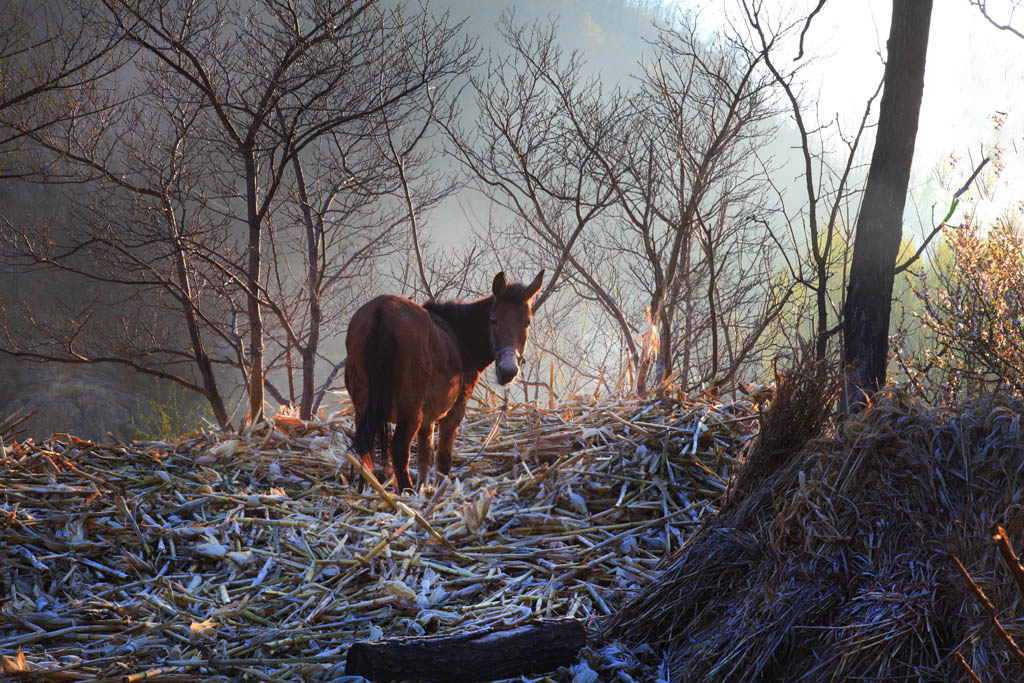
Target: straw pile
(837, 561)
(222, 557)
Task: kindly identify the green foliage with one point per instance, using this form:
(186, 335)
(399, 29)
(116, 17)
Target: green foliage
(167, 413)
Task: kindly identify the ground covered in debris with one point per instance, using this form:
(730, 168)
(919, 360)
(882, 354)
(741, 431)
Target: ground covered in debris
(254, 555)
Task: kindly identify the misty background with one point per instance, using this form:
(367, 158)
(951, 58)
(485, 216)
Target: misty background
(464, 232)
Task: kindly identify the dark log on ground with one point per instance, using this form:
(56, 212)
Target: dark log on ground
(538, 646)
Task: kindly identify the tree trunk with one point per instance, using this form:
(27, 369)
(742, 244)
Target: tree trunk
(253, 276)
(314, 240)
(643, 368)
(536, 647)
(663, 366)
(682, 286)
(199, 354)
(879, 228)
(821, 302)
(708, 248)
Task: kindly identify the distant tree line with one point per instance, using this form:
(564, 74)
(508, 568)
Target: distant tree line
(237, 172)
(240, 180)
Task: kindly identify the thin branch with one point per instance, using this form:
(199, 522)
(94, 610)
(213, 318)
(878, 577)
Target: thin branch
(967, 668)
(952, 207)
(981, 5)
(990, 608)
(1002, 541)
(327, 384)
(807, 25)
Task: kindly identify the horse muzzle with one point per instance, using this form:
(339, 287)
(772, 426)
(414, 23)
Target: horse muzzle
(505, 364)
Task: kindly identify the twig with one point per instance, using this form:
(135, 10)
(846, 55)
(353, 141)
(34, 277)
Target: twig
(1003, 542)
(807, 25)
(967, 667)
(952, 207)
(991, 609)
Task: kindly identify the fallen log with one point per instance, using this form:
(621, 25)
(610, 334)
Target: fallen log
(538, 646)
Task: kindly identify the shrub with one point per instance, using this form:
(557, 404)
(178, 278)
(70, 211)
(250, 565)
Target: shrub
(974, 308)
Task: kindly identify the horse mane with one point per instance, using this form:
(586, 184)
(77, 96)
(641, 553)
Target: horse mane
(456, 313)
(461, 313)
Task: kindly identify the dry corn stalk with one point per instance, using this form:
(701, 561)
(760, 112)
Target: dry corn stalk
(251, 554)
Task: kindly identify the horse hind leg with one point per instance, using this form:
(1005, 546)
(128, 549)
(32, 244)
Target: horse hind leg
(363, 444)
(424, 453)
(371, 425)
(400, 442)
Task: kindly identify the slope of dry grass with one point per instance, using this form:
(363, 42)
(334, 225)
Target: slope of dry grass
(837, 563)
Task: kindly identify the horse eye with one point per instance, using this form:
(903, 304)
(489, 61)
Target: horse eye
(527, 323)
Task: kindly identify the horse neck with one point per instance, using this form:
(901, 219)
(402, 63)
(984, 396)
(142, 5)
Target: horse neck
(474, 335)
(470, 328)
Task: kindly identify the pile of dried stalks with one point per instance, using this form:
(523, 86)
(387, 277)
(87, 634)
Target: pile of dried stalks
(836, 562)
(224, 557)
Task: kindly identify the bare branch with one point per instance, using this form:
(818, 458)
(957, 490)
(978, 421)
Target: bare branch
(942, 224)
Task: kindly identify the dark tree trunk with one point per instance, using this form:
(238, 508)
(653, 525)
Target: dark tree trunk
(879, 228)
(538, 646)
(664, 363)
(199, 354)
(253, 276)
(314, 242)
(821, 334)
(684, 284)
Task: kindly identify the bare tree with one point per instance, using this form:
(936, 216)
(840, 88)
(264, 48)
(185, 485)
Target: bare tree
(814, 240)
(261, 97)
(356, 191)
(638, 197)
(50, 56)
(880, 225)
(136, 237)
(275, 83)
(685, 188)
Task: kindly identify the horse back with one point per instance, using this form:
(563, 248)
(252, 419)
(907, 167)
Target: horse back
(422, 359)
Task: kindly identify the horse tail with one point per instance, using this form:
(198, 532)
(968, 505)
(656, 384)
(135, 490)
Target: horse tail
(378, 356)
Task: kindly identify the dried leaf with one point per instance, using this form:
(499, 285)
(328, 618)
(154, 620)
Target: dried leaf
(204, 629)
(400, 590)
(16, 665)
(231, 447)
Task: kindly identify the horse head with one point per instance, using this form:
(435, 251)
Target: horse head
(510, 322)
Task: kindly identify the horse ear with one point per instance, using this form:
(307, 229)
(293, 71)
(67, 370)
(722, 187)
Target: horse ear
(534, 287)
(498, 286)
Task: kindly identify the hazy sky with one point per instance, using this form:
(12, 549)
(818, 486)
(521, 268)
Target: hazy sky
(973, 71)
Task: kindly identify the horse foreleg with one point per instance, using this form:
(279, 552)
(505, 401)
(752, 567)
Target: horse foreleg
(424, 453)
(400, 442)
(447, 427)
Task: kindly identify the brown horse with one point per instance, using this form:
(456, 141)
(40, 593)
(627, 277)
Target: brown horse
(416, 365)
